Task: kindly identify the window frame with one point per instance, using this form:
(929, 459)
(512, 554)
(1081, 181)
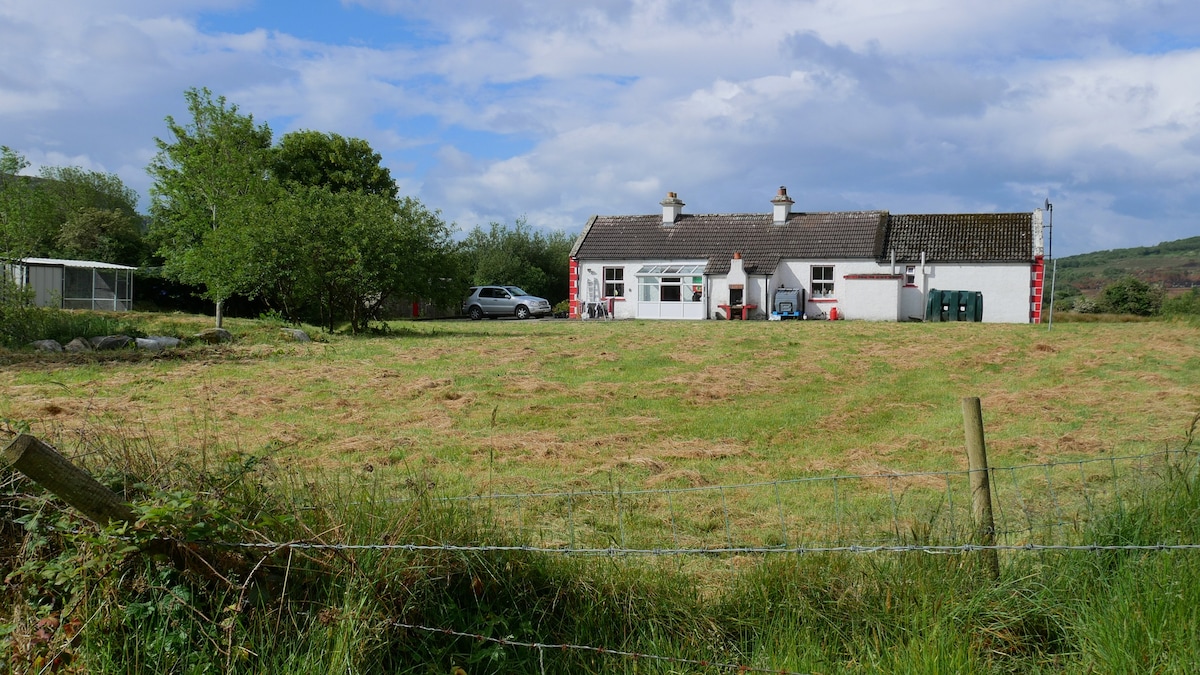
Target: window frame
(821, 286)
(614, 283)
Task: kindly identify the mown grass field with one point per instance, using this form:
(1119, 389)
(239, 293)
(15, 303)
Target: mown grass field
(508, 405)
(517, 408)
(632, 429)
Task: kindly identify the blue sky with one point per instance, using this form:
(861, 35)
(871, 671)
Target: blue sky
(493, 110)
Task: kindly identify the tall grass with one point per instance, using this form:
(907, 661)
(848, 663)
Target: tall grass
(22, 322)
(84, 598)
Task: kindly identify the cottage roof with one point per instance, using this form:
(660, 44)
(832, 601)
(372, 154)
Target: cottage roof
(715, 238)
(845, 235)
(961, 237)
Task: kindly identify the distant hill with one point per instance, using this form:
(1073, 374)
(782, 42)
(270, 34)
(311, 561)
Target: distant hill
(1174, 264)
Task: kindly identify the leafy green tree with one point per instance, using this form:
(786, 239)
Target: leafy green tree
(1130, 295)
(25, 226)
(109, 235)
(95, 215)
(211, 187)
(339, 164)
(519, 256)
(344, 255)
(49, 216)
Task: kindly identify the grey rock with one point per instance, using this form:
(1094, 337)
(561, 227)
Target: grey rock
(296, 335)
(78, 345)
(215, 335)
(107, 342)
(46, 345)
(158, 342)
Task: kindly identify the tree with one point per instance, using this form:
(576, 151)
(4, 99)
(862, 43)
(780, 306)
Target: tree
(211, 186)
(316, 159)
(109, 235)
(344, 255)
(25, 225)
(1131, 295)
(519, 256)
(49, 216)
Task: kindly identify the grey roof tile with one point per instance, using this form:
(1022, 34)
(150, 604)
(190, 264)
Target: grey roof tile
(846, 235)
(715, 238)
(961, 237)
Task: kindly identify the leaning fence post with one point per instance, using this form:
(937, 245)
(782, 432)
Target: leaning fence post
(42, 463)
(981, 490)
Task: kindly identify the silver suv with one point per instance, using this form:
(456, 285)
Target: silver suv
(495, 301)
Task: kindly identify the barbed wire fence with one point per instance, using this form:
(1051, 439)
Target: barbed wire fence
(1037, 508)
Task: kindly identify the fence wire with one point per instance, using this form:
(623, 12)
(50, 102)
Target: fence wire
(1035, 507)
(632, 656)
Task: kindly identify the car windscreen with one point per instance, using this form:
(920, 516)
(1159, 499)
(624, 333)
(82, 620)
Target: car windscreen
(516, 290)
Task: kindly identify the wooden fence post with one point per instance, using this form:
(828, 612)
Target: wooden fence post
(981, 488)
(42, 463)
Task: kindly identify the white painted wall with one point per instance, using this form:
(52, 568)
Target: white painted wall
(1005, 289)
(870, 299)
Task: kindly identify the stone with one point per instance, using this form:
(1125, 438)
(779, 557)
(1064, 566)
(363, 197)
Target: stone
(158, 342)
(296, 335)
(78, 345)
(215, 335)
(108, 342)
(46, 345)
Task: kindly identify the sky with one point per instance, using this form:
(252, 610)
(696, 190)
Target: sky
(555, 110)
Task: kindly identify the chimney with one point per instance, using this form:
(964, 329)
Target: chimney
(672, 206)
(783, 206)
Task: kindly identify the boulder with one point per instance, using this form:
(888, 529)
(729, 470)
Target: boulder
(296, 335)
(158, 342)
(107, 342)
(78, 345)
(215, 336)
(46, 345)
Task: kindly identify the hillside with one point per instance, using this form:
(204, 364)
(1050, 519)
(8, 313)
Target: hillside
(1175, 264)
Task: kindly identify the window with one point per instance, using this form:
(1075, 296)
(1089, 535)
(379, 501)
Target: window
(822, 281)
(671, 290)
(614, 282)
(910, 275)
(682, 285)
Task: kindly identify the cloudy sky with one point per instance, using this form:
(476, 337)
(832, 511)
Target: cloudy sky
(555, 110)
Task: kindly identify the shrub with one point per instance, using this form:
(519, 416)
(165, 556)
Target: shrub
(1130, 295)
(17, 312)
(1187, 304)
(22, 322)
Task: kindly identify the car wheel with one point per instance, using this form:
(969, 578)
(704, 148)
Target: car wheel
(476, 313)
(522, 312)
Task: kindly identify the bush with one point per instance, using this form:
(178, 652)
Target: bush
(16, 313)
(1083, 305)
(1131, 295)
(22, 322)
(1186, 305)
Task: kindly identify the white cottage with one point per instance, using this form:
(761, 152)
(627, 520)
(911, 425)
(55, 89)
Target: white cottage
(868, 265)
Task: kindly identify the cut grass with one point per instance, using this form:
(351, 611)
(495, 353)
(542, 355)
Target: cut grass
(508, 407)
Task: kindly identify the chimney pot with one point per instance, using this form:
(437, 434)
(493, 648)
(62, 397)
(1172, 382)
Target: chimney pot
(672, 206)
(781, 206)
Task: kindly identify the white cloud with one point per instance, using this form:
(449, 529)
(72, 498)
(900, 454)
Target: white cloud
(560, 110)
